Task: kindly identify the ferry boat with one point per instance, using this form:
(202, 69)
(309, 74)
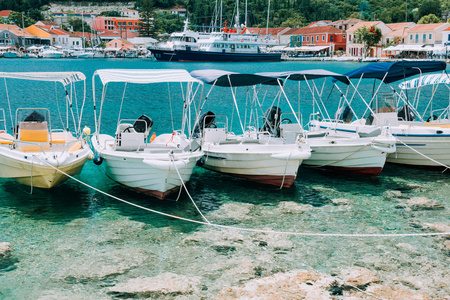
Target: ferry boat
(231, 45)
(178, 40)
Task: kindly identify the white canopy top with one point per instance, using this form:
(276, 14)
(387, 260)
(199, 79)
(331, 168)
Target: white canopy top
(64, 77)
(144, 76)
(425, 80)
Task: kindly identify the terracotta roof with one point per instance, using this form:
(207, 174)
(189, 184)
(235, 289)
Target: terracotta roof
(399, 26)
(272, 31)
(116, 33)
(123, 41)
(313, 23)
(291, 31)
(363, 24)
(49, 23)
(5, 13)
(346, 21)
(86, 34)
(424, 27)
(16, 30)
(318, 29)
(8, 26)
(127, 9)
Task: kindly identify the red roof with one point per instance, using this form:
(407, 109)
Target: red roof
(424, 27)
(116, 33)
(318, 29)
(263, 31)
(5, 13)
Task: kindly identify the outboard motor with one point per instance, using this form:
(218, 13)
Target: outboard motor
(35, 117)
(344, 114)
(272, 121)
(143, 124)
(208, 119)
(405, 113)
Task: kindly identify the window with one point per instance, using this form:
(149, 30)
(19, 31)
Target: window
(417, 38)
(331, 38)
(410, 37)
(430, 36)
(307, 38)
(303, 38)
(317, 38)
(424, 37)
(323, 37)
(344, 36)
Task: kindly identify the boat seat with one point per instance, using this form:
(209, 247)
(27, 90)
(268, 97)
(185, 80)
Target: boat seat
(128, 139)
(6, 139)
(61, 137)
(432, 125)
(33, 148)
(33, 132)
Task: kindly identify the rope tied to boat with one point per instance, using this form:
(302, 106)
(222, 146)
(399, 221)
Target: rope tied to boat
(267, 231)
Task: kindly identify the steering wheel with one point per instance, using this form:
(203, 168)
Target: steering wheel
(128, 129)
(289, 121)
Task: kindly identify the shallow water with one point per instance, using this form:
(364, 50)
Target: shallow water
(75, 243)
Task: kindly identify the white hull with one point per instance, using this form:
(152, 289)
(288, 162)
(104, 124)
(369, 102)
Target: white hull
(356, 156)
(31, 168)
(431, 144)
(274, 164)
(151, 172)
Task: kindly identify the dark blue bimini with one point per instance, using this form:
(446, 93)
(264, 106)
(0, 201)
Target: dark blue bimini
(393, 71)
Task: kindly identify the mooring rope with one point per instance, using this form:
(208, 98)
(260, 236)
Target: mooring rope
(267, 231)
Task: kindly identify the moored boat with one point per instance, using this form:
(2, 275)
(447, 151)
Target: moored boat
(156, 165)
(35, 152)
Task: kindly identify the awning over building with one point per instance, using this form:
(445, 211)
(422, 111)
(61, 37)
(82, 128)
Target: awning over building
(311, 48)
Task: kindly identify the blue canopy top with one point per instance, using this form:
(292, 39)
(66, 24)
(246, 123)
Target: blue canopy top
(394, 71)
(306, 75)
(226, 78)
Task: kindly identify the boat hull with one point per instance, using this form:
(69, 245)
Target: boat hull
(29, 168)
(154, 174)
(430, 143)
(352, 158)
(164, 55)
(185, 55)
(268, 165)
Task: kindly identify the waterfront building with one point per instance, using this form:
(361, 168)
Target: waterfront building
(357, 49)
(109, 35)
(13, 35)
(345, 24)
(116, 23)
(318, 39)
(56, 36)
(426, 34)
(129, 13)
(119, 44)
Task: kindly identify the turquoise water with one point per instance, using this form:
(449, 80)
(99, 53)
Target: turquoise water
(75, 243)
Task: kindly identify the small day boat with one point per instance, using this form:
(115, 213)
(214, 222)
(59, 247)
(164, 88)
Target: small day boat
(156, 165)
(31, 152)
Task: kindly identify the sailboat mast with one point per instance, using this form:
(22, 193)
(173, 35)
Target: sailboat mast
(268, 11)
(245, 13)
(237, 13)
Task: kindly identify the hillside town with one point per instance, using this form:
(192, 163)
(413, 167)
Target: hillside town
(324, 39)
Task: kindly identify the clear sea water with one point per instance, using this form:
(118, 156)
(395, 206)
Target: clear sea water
(75, 243)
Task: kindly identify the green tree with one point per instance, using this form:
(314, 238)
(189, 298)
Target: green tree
(428, 7)
(368, 37)
(146, 12)
(110, 13)
(429, 19)
(18, 18)
(79, 25)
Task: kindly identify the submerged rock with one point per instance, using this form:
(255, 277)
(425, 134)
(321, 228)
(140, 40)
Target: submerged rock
(386, 292)
(439, 227)
(163, 285)
(5, 250)
(392, 194)
(290, 207)
(423, 203)
(233, 212)
(298, 284)
(358, 276)
(340, 201)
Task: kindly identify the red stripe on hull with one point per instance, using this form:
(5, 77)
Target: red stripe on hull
(275, 180)
(364, 171)
(153, 193)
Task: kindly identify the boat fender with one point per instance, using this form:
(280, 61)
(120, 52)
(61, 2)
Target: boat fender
(86, 130)
(153, 137)
(98, 160)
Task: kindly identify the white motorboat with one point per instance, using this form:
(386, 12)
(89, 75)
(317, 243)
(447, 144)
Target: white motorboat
(156, 165)
(12, 54)
(345, 152)
(256, 154)
(50, 52)
(419, 141)
(34, 149)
